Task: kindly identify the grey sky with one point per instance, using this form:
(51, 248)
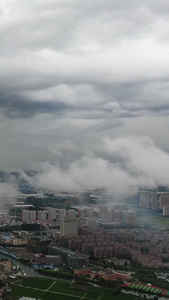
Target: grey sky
(75, 74)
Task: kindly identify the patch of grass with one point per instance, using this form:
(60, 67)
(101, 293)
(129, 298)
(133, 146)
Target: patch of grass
(39, 282)
(51, 296)
(45, 289)
(93, 293)
(61, 286)
(19, 292)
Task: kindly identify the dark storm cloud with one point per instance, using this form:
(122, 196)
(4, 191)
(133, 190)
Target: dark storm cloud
(82, 84)
(110, 46)
(16, 107)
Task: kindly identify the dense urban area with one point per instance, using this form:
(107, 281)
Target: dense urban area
(121, 245)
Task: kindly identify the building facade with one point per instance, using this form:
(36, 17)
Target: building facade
(68, 226)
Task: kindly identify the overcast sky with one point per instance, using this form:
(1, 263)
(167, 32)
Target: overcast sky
(84, 92)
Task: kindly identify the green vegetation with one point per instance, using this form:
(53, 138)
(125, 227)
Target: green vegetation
(154, 220)
(149, 276)
(41, 283)
(18, 292)
(102, 263)
(57, 274)
(26, 261)
(116, 290)
(50, 201)
(79, 279)
(45, 289)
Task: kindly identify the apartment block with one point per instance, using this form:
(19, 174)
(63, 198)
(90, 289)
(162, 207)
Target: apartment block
(103, 212)
(68, 226)
(166, 210)
(164, 200)
(131, 218)
(145, 199)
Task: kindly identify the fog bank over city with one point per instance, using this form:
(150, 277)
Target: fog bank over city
(8, 192)
(84, 93)
(119, 166)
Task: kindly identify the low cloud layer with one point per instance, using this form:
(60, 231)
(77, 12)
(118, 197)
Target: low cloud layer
(123, 166)
(8, 192)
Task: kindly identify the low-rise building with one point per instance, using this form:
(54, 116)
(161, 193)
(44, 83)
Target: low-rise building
(82, 272)
(47, 259)
(71, 259)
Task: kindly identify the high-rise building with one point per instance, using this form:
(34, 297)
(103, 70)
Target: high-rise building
(85, 213)
(25, 215)
(119, 216)
(28, 215)
(155, 201)
(42, 215)
(131, 218)
(71, 213)
(103, 212)
(112, 214)
(68, 226)
(145, 199)
(164, 200)
(166, 210)
(52, 215)
(149, 199)
(61, 213)
(32, 215)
